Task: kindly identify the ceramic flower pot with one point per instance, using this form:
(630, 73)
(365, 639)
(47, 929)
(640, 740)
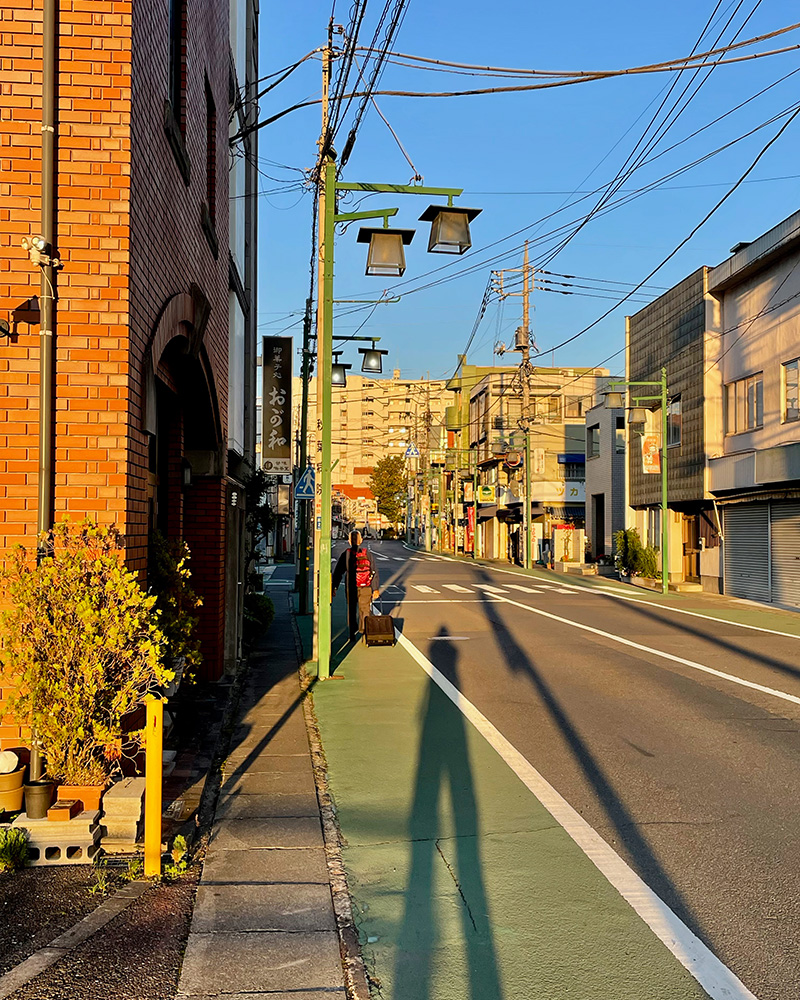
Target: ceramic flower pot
(11, 790)
(38, 798)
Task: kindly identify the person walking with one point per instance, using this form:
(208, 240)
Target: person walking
(357, 565)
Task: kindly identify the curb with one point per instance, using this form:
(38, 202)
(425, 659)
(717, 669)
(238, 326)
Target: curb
(356, 982)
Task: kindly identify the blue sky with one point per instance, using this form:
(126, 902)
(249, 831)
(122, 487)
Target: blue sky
(520, 157)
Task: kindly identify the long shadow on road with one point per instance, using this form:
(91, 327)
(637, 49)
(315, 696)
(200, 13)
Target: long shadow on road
(647, 862)
(444, 774)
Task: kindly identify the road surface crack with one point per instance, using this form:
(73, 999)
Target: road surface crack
(458, 886)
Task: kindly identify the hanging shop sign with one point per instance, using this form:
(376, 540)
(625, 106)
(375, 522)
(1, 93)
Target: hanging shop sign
(514, 459)
(276, 407)
(486, 494)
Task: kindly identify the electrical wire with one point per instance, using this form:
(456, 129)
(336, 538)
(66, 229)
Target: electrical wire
(667, 64)
(686, 239)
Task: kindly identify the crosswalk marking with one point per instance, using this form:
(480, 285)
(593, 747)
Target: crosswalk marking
(398, 558)
(563, 590)
(492, 590)
(423, 589)
(457, 588)
(525, 590)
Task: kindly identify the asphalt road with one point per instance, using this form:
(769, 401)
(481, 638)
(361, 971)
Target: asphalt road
(691, 777)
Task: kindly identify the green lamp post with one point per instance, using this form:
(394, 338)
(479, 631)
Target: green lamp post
(615, 399)
(386, 257)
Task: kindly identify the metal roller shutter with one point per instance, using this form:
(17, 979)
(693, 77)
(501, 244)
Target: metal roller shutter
(746, 528)
(785, 532)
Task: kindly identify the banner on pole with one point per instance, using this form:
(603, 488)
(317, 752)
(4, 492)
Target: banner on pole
(276, 405)
(651, 454)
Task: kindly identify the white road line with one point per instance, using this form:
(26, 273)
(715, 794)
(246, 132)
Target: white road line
(457, 588)
(448, 638)
(612, 592)
(398, 558)
(455, 600)
(379, 556)
(715, 978)
(423, 589)
(486, 587)
(525, 590)
(416, 559)
(656, 652)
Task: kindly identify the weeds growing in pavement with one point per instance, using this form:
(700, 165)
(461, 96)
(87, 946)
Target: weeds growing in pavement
(134, 870)
(102, 878)
(180, 859)
(14, 851)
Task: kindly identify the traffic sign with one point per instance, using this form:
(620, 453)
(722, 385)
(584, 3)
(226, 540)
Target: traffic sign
(305, 489)
(412, 451)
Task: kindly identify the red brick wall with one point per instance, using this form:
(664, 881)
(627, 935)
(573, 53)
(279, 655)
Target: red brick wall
(129, 233)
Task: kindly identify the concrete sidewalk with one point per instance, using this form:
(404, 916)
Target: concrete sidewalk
(264, 922)
(463, 884)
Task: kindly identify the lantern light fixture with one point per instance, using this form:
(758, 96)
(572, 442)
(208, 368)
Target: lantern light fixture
(637, 415)
(449, 228)
(614, 400)
(339, 370)
(386, 257)
(372, 362)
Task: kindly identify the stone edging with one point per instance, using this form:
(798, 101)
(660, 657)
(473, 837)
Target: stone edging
(42, 959)
(355, 973)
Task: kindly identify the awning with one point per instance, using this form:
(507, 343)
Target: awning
(486, 511)
(565, 513)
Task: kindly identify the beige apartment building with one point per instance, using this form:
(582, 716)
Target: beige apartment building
(375, 418)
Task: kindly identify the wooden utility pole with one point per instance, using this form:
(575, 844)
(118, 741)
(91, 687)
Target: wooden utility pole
(325, 155)
(522, 343)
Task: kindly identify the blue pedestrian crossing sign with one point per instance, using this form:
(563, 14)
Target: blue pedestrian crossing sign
(305, 489)
(412, 451)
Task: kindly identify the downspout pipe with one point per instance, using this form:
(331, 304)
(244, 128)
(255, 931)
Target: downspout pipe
(47, 319)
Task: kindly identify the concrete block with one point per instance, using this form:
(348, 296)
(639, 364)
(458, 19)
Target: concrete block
(238, 806)
(263, 908)
(256, 962)
(265, 866)
(239, 834)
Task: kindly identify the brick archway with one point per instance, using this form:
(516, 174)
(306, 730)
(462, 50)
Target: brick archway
(187, 468)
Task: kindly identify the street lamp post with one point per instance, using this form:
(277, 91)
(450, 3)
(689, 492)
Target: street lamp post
(452, 236)
(663, 398)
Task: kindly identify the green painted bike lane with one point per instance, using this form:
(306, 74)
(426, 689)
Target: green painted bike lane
(463, 885)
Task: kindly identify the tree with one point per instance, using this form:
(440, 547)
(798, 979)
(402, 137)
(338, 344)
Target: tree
(389, 485)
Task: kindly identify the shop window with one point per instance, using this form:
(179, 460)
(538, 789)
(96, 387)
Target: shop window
(744, 404)
(674, 421)
(593, 441)
(791, 390)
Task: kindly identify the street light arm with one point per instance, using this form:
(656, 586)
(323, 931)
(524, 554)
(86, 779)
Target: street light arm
(399, 189)
(384, 213)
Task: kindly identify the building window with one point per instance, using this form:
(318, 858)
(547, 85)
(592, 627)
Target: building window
(211, 154)
(654, 527)
(791, 390)
(574, 470)
(593, 441)
(674, 419)
(619, 435)
(573, 407)
(744, 404)
(177, 62)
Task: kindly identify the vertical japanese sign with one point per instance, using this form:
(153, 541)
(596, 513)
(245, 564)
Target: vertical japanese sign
(651, 454)
(276, 434)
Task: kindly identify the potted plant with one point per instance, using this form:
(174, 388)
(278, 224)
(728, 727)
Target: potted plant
(82, 648)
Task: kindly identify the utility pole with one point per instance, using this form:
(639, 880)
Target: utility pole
(523, 344)
(301, 583)
(323, 345)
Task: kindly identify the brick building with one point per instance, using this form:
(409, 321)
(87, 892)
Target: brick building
(154, 325)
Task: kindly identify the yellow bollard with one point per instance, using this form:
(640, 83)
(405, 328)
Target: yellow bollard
(153, 772)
